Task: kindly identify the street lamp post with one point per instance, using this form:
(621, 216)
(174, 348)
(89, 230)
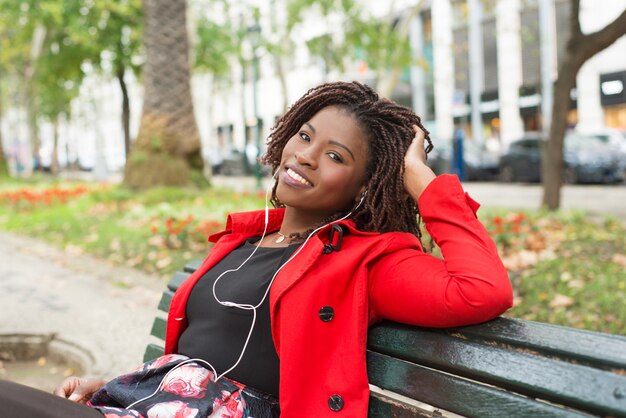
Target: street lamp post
(254, 33)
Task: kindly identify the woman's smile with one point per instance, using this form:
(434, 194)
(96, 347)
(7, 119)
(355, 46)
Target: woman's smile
(295, 179)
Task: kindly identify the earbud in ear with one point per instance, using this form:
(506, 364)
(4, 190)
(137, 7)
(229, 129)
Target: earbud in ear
(363, 195)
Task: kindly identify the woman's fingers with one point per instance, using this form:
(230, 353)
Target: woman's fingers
(417, 175)
(416, 149)
(419, 134)
(78, 389)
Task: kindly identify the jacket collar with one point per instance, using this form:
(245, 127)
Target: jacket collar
(253, 222)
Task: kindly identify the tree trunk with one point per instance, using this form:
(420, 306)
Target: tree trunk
(54, 164)
(33, 136)
(579, 49)
(4, 167)
(125, 111)
(168, 144)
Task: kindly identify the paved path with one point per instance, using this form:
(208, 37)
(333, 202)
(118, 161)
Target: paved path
(104, 309)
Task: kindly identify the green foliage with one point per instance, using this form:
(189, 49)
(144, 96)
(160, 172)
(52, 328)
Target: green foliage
(48, 44)
(162, 194)
(217, 43)
(381, 43)
(157, 230)
(566, 269)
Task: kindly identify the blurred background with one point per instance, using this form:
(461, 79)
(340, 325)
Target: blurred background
(129, 129)
(75, 77)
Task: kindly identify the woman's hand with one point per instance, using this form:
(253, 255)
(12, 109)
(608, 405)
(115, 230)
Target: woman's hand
(417, 175)
(78, 389)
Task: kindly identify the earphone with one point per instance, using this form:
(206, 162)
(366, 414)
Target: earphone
(363, 196)
(243, 306)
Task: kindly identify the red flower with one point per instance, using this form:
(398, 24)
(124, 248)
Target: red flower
(163, 360)
(174, 409)
(230, 406)
(187, 381)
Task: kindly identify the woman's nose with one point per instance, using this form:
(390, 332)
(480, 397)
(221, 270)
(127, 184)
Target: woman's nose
(306, 158)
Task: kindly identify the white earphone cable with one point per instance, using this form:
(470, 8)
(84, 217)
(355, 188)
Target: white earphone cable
(245, 306)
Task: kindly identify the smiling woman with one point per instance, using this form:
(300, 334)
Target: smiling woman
(323, 167)
(279, 311)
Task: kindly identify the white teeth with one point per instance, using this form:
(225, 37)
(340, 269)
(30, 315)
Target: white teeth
(297, 177)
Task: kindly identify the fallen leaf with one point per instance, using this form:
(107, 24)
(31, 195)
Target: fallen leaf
(619, 259)
(576, 284)
(561, 301)
(164, 262)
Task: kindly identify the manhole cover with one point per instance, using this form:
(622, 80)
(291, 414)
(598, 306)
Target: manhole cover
(40, 361)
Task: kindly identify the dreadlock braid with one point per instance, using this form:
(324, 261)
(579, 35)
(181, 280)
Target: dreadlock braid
(388, 128)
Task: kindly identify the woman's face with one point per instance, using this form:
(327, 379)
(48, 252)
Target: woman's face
(323, 165)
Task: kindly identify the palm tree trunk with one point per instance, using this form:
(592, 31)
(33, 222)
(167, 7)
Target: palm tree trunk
(168, 144)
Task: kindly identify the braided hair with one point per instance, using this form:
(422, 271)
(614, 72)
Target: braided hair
(387, 127)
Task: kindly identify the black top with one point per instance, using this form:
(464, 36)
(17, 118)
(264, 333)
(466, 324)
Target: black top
(217, 333)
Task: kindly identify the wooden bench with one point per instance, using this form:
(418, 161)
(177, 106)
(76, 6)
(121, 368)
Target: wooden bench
(503, 368)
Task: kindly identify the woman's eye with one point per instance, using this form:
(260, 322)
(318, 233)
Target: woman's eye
(335, 157)
(305, 136)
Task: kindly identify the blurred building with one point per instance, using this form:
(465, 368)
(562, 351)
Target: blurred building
(508, 75)
(502, 66)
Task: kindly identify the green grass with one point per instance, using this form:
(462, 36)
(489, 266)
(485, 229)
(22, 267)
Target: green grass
(566, 269)
(128, 227)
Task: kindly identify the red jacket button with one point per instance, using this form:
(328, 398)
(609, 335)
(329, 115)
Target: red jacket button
(326, 313)
(335, 403)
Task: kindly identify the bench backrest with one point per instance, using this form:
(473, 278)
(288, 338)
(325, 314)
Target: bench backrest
(502, 368)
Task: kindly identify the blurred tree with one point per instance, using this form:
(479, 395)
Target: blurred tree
(117, 47)
(382, 45)
(4, 168)
(216, 43)
(168, 144)
(61, 39)
(22, 34)
(44, 44)
(69, 43)
(580, 47)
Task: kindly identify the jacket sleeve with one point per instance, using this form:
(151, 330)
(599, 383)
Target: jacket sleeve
(470, 285)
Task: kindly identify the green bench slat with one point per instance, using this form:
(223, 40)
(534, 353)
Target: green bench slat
(158, 328)
(153, 351)
(455, 394)
(166, 300)
(593, 391)
(177, 279)
(594, 348)
(193, 266)
(386, 408)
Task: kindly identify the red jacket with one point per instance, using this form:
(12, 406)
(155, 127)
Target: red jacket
(372, 276)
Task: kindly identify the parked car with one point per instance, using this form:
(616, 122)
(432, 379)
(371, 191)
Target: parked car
(480, 164)
(587, 159)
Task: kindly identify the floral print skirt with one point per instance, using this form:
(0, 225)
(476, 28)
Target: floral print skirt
(183, 389)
